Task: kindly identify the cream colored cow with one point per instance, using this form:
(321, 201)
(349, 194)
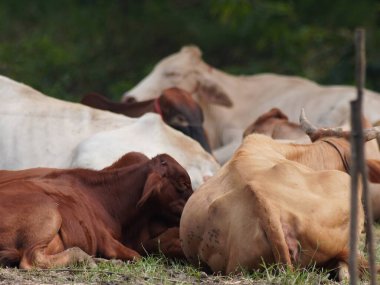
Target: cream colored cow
(231, 103)
(40, 131)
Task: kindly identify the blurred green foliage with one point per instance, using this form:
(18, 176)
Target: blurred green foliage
(66, 48)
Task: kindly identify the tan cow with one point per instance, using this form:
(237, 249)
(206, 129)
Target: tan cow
(276, 125)
(263, 207)
(230, 103)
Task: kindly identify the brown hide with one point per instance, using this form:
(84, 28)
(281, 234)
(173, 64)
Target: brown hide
(53, 217)
(374, 189)
(276, 125)
(262, 207)
(373, 166)
(158, 237)
(176, 107)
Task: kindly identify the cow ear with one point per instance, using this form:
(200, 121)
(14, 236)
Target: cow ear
(153, 185)
(213, 93)
(277, 113)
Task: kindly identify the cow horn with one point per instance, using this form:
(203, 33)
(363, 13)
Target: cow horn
(371, 133)
(315, 133)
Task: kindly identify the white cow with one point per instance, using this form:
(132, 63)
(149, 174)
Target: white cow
(230, 103)
(40, 131)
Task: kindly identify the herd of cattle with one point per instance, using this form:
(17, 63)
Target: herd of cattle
(194, 163)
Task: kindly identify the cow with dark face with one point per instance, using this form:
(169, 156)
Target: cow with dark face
(176, 107)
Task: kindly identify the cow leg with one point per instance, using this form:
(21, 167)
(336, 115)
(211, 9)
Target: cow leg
(43, 246)
(167, 243)
(113, 249)
(343, 272)
(271, 223)
(39, 258)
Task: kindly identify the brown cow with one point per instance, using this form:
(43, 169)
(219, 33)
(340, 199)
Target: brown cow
(55, 217)
(176, 106)
(261, 206)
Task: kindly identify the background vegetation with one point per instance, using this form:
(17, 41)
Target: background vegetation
(67, 48)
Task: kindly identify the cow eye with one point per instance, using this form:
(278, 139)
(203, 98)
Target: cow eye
(179, 120)
(171, 73)
(180, 189)
(183, 187)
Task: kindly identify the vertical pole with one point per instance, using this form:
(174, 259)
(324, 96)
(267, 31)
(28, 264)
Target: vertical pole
(359, 167)
(353, 260)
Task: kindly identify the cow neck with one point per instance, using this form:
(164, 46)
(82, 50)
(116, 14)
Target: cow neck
(120, 189)
(341, 154)
(317, 155)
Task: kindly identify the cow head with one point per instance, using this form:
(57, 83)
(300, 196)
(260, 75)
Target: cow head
(185, 70)
(266, 122)
(166, 189)
(180, 111)
(128, 159)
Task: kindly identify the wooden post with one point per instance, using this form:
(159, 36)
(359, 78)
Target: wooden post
(359, 168)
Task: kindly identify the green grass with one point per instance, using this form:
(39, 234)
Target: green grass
(159, 270)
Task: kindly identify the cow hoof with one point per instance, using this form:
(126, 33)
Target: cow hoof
(117, 262)
(89, 262)
(343, 272)
(113, 261)
(98, 260)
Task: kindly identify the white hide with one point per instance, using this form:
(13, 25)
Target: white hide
(40, 131)
(251, 96)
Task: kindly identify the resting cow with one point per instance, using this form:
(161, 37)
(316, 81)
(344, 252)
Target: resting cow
(40, 131)
(176, 107)
(230, 103)
(263, 207)
(55, 217)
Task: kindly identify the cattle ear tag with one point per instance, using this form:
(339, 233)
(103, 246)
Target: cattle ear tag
(213, 94)
(152, 186)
